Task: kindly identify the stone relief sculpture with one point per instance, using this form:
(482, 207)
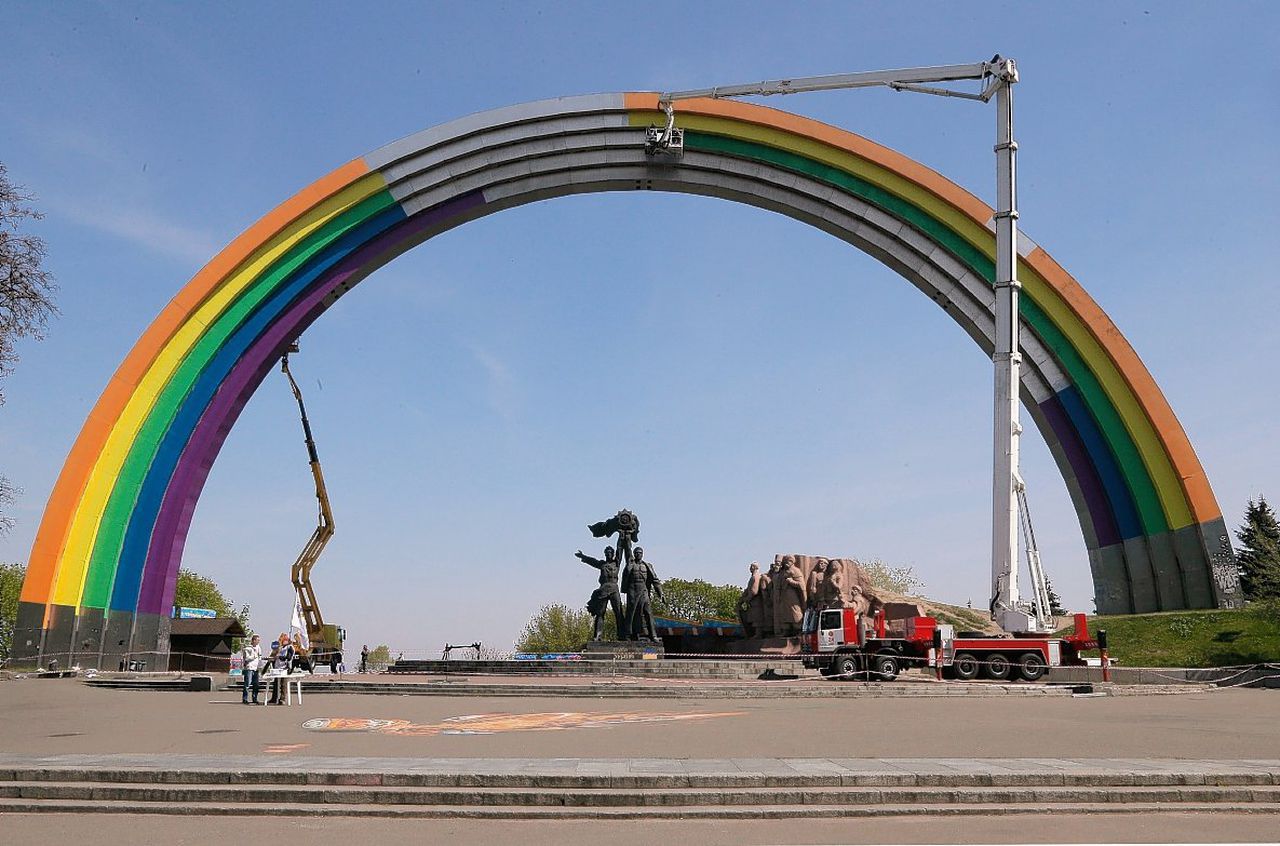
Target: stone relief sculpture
(796, 582)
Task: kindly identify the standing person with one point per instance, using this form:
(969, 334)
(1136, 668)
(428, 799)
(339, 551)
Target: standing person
(281, 663)
(250, 656)
(364, 659)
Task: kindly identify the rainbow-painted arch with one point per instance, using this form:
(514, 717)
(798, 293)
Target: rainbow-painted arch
(102, 572)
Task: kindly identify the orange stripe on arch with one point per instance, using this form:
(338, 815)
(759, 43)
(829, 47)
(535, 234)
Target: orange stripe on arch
(51, 537)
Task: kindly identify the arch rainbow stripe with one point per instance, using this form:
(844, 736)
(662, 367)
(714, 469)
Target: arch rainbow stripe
(113, 531)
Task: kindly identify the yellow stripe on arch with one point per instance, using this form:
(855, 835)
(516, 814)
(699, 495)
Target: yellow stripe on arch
(75, 556)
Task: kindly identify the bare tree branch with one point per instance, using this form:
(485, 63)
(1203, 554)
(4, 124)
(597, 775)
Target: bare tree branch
(26, 287)
(26, 297)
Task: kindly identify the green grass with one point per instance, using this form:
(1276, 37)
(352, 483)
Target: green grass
(1194, 638)
(964, 619)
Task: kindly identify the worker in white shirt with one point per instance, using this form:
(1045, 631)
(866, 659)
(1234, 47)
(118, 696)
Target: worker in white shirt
(251, 657)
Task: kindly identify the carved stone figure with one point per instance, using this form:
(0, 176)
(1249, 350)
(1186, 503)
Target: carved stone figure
(833, 589)
(858, 600)
(639, 580)
(772, 581)
(751, 603)
(817, 583)
(606, 595)
(790, 599)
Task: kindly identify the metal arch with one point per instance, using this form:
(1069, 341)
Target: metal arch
(512, 173)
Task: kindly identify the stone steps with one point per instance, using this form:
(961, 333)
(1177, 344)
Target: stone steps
(586, 796)
(629, 788)
(659, 668)
(759, 811)
(194, 683)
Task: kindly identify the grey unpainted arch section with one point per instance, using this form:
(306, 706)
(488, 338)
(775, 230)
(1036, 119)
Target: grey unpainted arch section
(553, 148)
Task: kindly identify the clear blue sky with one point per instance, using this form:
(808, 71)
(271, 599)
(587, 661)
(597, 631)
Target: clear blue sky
(747, 384)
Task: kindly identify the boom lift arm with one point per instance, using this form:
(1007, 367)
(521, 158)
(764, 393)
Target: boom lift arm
(301, 572)
(997, 78)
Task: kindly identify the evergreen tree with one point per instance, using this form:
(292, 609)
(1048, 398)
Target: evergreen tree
(1259, 555)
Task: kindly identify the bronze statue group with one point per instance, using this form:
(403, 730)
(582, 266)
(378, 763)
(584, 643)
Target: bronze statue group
(638, 579)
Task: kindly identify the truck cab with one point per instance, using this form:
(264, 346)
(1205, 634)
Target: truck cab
(842, 642)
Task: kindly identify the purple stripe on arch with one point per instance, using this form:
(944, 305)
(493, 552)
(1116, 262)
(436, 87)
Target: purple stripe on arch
(169, 536)
(1091, 488)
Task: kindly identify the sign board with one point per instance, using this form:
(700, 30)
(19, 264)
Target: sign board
(190, 613)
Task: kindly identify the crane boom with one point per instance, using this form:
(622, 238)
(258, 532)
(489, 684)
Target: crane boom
(301, 572)
(901, 77)
(997, 78)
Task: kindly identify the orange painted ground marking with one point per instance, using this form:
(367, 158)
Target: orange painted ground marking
(496, 723)
(284, 748)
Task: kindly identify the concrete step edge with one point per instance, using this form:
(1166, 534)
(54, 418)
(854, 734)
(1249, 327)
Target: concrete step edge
(542, 797)
(647, 812)
(631, 781)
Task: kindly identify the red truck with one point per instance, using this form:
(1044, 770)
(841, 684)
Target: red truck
(839, 641)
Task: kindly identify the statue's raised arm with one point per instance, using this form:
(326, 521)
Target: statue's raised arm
(587, 559)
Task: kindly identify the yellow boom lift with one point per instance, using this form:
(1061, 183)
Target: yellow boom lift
(325, 639)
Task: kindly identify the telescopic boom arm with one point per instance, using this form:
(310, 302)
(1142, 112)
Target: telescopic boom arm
(301, 572)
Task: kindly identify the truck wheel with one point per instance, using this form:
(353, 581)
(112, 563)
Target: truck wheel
(998, 667)
(847, 667)
(965, 667)
(885, 667)
(1031, 666)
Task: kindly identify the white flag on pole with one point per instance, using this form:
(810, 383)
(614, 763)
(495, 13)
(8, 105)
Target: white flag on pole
(297, 628)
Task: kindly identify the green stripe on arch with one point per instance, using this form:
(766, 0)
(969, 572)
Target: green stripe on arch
(115, 520)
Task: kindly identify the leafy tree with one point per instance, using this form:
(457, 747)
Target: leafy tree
(558, 628)
(1259, 556)
(11, 576)
(1056, 608)
(697, 600)
(895, 579)
(196, 591)
(379, 656)
(26, 295)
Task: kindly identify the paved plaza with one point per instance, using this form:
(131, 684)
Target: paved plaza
(1198, 766)
(66, 716)
(125, 830)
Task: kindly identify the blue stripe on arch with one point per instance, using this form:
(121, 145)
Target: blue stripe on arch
(1118, 493)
